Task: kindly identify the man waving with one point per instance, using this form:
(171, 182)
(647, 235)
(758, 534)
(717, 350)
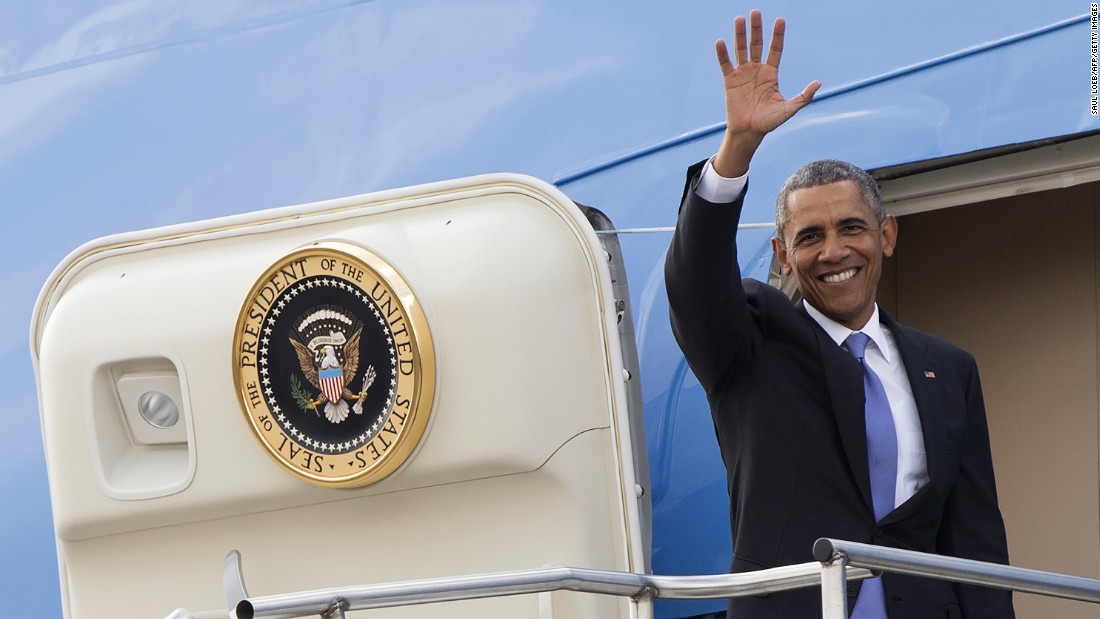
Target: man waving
(833, 419)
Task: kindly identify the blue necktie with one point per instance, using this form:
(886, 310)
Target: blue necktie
(882, 456)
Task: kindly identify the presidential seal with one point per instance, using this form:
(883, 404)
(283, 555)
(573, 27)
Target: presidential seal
(334, 365)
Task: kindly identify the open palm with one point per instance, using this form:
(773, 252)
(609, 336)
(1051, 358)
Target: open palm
(754, 104)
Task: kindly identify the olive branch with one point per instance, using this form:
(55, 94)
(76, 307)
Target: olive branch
(300, 395)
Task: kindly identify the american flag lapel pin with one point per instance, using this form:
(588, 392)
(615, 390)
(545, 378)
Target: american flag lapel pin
(929, 374)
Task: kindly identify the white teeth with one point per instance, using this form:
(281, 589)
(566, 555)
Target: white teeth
(839, 277)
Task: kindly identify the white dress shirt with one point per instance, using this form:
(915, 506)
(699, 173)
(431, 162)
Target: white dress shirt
(882, 355)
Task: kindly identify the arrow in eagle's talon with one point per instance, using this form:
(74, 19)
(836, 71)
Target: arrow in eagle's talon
(368, 380)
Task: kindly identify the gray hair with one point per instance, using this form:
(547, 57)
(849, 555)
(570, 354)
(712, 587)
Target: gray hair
(824, 172)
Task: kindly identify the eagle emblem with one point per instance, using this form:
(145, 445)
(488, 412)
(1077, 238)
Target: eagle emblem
(320, 327)
(329, 359)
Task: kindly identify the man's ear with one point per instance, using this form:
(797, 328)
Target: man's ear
(889, 235)
(781, 255)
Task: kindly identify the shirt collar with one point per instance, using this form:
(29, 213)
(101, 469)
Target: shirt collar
(838, 332)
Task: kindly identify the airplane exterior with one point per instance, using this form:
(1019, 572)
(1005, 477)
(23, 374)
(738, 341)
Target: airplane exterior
(131, 114)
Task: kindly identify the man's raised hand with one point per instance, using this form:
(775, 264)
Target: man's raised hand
(754, 105)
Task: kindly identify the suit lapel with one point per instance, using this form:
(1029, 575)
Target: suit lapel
(842, 372)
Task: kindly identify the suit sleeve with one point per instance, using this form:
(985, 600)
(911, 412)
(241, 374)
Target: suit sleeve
(709, 311)
(973, 527)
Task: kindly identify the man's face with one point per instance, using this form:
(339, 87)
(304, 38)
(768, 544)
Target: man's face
(834, 245)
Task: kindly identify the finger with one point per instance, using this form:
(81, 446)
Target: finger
(723, 56)
(775, 51)
(803, 98)
(756, 31)
(740, 43)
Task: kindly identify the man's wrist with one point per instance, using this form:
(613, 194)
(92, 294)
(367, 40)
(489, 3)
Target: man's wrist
(735, 153)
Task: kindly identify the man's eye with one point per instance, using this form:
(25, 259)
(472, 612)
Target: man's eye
(806, 239)
(853, 229)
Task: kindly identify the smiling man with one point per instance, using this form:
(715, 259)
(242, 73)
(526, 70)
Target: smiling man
(833, 419)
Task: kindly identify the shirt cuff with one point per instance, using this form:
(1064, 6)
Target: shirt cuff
(715, 188)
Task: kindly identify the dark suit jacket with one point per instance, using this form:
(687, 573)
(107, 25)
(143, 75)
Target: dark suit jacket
(787, 404)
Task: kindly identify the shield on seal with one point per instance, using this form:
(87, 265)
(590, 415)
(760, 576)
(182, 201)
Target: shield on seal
(332, 383)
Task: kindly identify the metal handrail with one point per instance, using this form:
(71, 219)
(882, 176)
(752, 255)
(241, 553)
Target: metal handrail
(967, 571)
(837, 563)
(333, 602)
